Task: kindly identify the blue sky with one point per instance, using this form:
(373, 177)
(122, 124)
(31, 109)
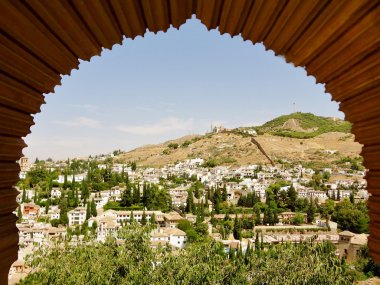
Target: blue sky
(164, 86)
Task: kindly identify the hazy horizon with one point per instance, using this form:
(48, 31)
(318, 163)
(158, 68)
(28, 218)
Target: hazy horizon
(164, 86)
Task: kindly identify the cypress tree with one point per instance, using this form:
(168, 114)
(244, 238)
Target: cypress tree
(237, 228)
(338, 195)
(132, 219)
(47, 206)
(127, 199)
(19, 214)
(93, 208)
(257, 243)
(136, 194)
(73, 186)
(352, 198)
(84, 190)
(144, 196)
(224, 194)
(310, 212)
(239, 252)
(64, 219)
(23, 198)
(189, 202)
(248, 253)
(257, 212)
(88, 211)
(122, 173)
(50, 185)
(197, 193)
(144, 220)
(292, 197)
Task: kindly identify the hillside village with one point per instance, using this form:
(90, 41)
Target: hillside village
(235, 205)
(296, 178)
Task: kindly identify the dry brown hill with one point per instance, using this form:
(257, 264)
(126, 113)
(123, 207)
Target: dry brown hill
(233, 149)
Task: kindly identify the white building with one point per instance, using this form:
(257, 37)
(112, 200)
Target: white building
(77, 216)
(55, 193)
(22, 175)
(78, 178)
(100, 202)
(107, 227)
(172, 236)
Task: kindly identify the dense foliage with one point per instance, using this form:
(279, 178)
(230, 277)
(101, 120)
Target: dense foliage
(312, 124)
(351, 217)
(205, 262)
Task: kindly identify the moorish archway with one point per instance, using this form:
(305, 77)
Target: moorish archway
(337, 41)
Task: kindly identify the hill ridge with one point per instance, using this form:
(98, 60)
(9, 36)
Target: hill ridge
(230, 148)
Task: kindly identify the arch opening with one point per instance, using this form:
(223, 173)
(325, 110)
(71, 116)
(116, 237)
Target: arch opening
(37, 50)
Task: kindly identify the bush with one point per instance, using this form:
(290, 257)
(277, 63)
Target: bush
(211, 163)
(173, 145)
(54, 222)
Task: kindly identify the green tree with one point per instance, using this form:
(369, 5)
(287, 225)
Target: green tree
(85, 193)
(133, 166)
(19, 214)
(197, 193)
(127, 199)
(257, 243)
(173, 145)
(73, 185)
(292, 198)
(131, 263)
(47, 206)
(237, 228)
(93, 209)
(298, 219)
(63, 218)
(310, 212)
(136, 194)
(88, 211)
(351, 217)
(352, 197)
(144, 219)
(189, 201)
(23, 198)
(257, 212)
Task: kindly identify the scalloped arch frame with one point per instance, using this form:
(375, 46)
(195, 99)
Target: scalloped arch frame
(338, 42)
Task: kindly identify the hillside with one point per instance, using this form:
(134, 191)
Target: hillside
(303, 126)
(233, 149)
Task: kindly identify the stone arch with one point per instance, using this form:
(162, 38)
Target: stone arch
(338, 42)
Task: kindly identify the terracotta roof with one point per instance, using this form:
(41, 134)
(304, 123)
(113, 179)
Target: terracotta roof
(336, 41)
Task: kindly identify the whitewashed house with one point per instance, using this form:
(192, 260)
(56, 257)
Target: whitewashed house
(172, 236)
(55, 193)
(77, 216)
